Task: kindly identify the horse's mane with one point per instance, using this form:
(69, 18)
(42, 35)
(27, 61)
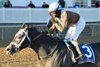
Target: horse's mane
(44, 34)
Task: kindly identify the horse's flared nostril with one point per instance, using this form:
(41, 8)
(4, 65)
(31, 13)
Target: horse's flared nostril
(8, 49)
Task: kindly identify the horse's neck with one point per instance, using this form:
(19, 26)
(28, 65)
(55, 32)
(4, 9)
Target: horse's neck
(44, 45)
(47, 47)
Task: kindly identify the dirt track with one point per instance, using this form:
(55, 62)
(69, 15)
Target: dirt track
(27, 57)
(24, 58)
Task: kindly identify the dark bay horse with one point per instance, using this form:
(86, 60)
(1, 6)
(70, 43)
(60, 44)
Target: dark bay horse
(50, 52)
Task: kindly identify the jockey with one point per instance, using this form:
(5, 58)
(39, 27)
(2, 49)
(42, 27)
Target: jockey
(67, 19)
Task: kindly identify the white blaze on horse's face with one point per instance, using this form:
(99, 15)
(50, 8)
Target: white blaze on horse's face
(17, 41)
(19, 38)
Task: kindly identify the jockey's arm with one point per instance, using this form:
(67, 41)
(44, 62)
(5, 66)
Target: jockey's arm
(61, 23)
(52, 28)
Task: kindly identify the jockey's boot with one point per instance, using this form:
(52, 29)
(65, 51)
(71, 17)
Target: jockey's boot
(75, 43)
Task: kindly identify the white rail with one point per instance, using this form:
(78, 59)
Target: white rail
(40, 15)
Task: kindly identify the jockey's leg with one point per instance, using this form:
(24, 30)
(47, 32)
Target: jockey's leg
(75, 43)
(77, 29)
(72, 54)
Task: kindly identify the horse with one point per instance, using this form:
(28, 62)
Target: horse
(50, 52)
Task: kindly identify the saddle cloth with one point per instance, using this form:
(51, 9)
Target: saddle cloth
(88, 54)
(86, 50)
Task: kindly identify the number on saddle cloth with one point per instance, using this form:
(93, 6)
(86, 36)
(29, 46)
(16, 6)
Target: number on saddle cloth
(88, 54)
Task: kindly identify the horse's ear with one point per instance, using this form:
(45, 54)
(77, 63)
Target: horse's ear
(29, 26)
(26, 26)
(23, 25)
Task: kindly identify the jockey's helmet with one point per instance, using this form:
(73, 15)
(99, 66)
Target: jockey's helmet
(53, 7)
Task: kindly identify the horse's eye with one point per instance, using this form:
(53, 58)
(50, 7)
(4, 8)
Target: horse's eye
(20, 36)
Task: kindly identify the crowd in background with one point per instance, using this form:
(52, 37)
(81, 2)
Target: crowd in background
(62, 4)
(7, 4)
(97, 4)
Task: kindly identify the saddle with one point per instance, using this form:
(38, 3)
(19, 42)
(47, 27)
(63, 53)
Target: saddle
(86, 50)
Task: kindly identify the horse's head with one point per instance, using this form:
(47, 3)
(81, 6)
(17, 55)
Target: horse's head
(21, 40)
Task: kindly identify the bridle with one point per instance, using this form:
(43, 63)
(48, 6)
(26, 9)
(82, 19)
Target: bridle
(29, 39)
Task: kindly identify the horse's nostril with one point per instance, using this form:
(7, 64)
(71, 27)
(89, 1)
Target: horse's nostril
(8, 49)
